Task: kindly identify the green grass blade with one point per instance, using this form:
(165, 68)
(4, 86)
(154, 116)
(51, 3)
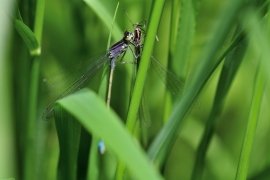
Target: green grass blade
(162, 144)
(68, 131)
(93, 162)
(142, 72)
(243, 164)
(259, 35)
(93, 172)
(103, 14)
(181, 40)
(185, 37)
(94, 116)
(28, 37)
(34, 40)
(231, 65)
(113, 20)
(230, 68)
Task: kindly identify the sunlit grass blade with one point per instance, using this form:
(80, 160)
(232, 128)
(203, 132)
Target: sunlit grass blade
(94, 116)
(94, 158)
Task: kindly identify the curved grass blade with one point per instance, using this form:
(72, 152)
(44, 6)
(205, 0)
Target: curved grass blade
(28, 37)
(94, 116)
(161, 146)
(259, 36)
(230, 68)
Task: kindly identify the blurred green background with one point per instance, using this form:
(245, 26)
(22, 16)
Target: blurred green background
(72, 32)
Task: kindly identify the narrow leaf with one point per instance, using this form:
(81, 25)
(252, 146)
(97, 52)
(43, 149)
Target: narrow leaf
(93, 114)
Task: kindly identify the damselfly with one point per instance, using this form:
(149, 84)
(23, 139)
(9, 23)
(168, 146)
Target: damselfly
(88, 71)
(173, 84)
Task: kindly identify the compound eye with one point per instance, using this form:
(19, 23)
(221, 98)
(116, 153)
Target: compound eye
(128, 36)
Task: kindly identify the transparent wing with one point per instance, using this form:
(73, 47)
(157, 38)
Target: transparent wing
(144, 114)
(85, 76)
(59, 79)
(173, 84)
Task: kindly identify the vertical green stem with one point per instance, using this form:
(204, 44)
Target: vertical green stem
(140, 80)
(30, 158)
(142, 72)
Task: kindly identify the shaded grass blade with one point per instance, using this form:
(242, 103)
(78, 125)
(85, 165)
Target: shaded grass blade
(68, 131)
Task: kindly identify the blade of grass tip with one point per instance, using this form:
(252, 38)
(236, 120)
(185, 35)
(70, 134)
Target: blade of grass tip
(94, 116)
(159, 149)
(103, 14)
(260, 83)
(30, 158)
(142, 72)
(229, 69)
(93, 168)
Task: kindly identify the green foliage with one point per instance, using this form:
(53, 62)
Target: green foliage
(96, 118)
(28, 37)
(220, 49)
